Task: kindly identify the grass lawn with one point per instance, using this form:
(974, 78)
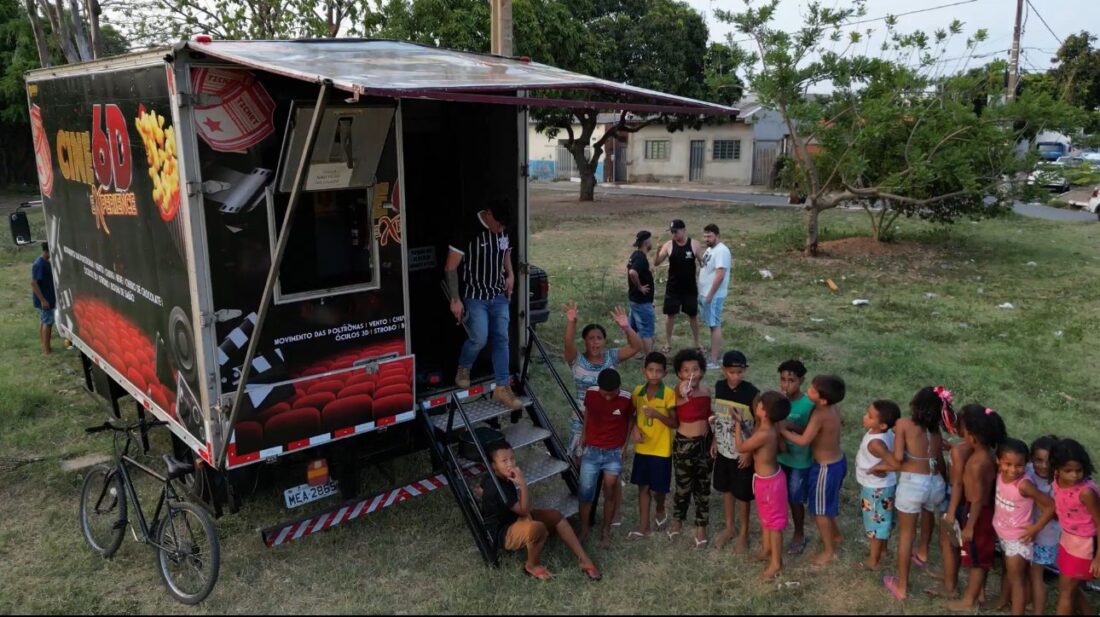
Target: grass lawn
(1035, 363)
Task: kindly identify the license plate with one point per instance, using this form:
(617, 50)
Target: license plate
(303, 493)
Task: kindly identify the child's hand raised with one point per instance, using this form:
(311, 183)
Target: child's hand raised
(570, 309)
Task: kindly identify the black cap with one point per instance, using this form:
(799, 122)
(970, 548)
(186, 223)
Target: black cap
(609, 380)
(676, 224)
(641, 237)
(734, 358)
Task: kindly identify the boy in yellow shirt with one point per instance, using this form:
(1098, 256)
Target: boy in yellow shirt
(652, 434)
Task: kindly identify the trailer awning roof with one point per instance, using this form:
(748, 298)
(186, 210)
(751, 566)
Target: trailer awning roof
(407, 70)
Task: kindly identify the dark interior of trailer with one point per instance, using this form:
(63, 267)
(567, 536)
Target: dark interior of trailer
(458, 156)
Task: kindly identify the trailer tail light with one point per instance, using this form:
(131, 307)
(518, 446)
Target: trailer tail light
(544, 288)
(317, 472)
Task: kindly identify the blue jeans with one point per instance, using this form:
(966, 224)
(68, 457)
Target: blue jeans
(594, 462)
(642, 318)
(487, 319)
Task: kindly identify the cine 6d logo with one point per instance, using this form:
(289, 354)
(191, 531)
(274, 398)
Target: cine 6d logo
(111, 148)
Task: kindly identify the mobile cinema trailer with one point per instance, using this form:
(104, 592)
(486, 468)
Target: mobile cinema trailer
(247, 238)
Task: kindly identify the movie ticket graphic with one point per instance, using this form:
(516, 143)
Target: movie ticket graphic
(243, 115)
(42, 156)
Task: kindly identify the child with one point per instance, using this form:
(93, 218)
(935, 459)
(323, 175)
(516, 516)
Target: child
(691, 463)
(796, 460)
(985, 431)
(827, 473)
(918, 455)
(608, 414)
(1077, 501)
(733, 475)
(517, 524)
(1045, 551)
(958, 454)
(1014, 503)
(652, 473)
(878, 483)
(769, 482)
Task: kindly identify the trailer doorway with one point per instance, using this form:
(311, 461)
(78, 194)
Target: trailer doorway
(457, 157)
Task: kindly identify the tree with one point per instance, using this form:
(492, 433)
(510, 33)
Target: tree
(893, 136)
(1077, 76)
(657, 44)
(154, 22)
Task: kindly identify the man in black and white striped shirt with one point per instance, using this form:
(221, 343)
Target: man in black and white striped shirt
(482, 256)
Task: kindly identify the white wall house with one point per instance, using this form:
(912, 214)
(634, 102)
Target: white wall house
(548, 160)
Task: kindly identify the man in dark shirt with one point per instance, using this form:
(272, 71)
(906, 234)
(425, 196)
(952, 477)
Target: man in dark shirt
(681, 291)
(482, 256)
(43, 297)
(640, 290)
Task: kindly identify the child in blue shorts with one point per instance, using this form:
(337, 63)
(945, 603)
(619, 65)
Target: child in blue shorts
(822, 434)
(655, 410)
(878, 484)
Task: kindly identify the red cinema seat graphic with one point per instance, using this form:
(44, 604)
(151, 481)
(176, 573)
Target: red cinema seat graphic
(402, 388)
(329, 385)
(272, 411)
(250, 436)
(291, 426)
(392, 405)
(366, 387)
(316, 400)
(345, 412)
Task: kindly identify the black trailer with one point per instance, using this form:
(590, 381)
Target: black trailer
(247, 238)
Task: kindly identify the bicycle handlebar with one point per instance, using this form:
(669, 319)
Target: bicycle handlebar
(108, 426)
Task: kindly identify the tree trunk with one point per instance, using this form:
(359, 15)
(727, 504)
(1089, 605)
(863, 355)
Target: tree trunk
(93, 9)
(61, 31)
(81, 37)
(812, 212)
(39, 33)
(588, 185)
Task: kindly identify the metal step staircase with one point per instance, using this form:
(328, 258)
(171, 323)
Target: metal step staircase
(540, 453)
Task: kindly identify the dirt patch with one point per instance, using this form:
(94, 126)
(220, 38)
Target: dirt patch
(863, 246)
(83, 462)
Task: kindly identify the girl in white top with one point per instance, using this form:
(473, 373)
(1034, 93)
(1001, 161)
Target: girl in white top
(878, 483)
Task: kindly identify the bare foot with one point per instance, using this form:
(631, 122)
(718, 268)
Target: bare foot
(771, 572)
(961, 605)
(822, 559)
(605, 540)
(939, 592)
(869, 566)
(723, 538)
(582, 537)
(741, 547)
(762, 556)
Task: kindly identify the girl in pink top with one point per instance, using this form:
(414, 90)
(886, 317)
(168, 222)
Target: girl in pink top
(1078, 506)
(1014, 502)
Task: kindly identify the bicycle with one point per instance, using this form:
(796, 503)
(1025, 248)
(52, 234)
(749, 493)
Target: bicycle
(186, 543)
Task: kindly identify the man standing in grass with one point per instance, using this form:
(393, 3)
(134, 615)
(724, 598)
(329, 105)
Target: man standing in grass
(640, 292)
(714, 279)
(43, 297)
(681, 293)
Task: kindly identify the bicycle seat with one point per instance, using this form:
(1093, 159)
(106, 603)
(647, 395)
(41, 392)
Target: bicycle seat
(177, 469)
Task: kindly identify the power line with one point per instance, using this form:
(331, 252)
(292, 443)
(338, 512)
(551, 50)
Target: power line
(887, 16)
(1040, 16)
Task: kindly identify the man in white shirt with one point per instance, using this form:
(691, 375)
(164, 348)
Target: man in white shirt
(714, 278)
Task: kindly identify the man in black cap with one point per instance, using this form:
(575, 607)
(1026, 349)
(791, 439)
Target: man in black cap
(682, 291)
(640, 290)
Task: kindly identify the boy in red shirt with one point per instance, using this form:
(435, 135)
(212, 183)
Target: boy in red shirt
(608, 416)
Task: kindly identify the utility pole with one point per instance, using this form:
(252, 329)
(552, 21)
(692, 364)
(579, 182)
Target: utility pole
(1014, 59)
(500, 33)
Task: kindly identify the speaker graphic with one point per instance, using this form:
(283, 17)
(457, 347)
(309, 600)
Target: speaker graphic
(181, 340)
(189, 410)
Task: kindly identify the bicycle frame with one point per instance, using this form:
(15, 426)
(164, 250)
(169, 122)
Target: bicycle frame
(121, 468)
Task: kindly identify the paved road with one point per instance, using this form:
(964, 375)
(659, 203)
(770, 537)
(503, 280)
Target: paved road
(1035, 211)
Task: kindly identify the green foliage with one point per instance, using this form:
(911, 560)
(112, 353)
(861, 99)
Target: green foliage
(1077, 76)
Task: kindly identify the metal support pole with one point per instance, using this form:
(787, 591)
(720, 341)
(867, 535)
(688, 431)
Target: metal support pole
(1014, 58)
(276, 263)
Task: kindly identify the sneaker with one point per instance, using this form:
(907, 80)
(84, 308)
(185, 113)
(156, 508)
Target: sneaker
(462, 378)
(506, 397)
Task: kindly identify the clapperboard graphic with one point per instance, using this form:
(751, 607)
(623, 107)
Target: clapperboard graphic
(267, 366)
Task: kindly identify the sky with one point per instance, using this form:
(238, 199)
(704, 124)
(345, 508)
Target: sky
(996, 16)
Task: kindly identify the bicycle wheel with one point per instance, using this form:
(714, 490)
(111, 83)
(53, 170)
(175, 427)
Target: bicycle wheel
(188, 555)
(103, 510)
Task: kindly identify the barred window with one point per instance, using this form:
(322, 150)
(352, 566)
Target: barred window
(657, 149)
(727, 149)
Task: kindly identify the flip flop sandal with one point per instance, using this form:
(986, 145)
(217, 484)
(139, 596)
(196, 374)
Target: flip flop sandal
(636, 535)
(661, 522)
(891, 584)
(592, 572)
(672, 534)
(796, 548)
(700, 544)
(917, 561)
(541, 573)
(665, 349)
